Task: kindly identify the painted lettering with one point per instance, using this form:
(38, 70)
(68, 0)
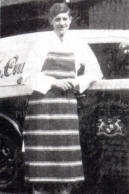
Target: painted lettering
(13, 67)
(10, 66)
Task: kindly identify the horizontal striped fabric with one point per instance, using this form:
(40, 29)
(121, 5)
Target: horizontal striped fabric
(35, 125)
(57, 171)
(60, 65)
(47, 155)
(51, 135)
(54, 180)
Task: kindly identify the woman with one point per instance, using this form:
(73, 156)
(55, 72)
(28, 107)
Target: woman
(52, 147)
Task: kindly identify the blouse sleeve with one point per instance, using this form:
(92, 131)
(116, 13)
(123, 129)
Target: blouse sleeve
(92, 71)
(32, 76)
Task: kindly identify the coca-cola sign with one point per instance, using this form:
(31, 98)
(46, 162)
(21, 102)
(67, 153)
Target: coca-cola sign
(12, 67)
(11, 70)
(13, 54)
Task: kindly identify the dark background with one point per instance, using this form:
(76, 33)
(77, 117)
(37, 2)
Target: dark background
(23, 16)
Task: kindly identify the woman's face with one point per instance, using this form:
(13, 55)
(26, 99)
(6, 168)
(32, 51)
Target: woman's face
(61, 23)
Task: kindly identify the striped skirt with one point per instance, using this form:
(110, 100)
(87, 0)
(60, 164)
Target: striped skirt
(51, 135)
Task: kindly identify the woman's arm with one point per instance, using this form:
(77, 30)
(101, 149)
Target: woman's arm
(92, 71)
(32, 75)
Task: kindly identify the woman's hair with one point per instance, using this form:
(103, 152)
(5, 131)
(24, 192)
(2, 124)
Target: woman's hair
(58, 8)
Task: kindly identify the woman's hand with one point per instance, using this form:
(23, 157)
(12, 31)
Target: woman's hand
(64, 84)
(73, 82)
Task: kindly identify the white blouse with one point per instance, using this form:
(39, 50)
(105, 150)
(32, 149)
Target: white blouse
(37, 80)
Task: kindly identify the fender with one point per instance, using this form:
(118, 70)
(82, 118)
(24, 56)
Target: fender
(10, 128)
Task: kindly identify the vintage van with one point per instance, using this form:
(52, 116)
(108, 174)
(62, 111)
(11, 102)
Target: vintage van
(103, 109)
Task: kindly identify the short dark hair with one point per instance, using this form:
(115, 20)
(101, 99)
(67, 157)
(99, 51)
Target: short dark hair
(58, 8)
